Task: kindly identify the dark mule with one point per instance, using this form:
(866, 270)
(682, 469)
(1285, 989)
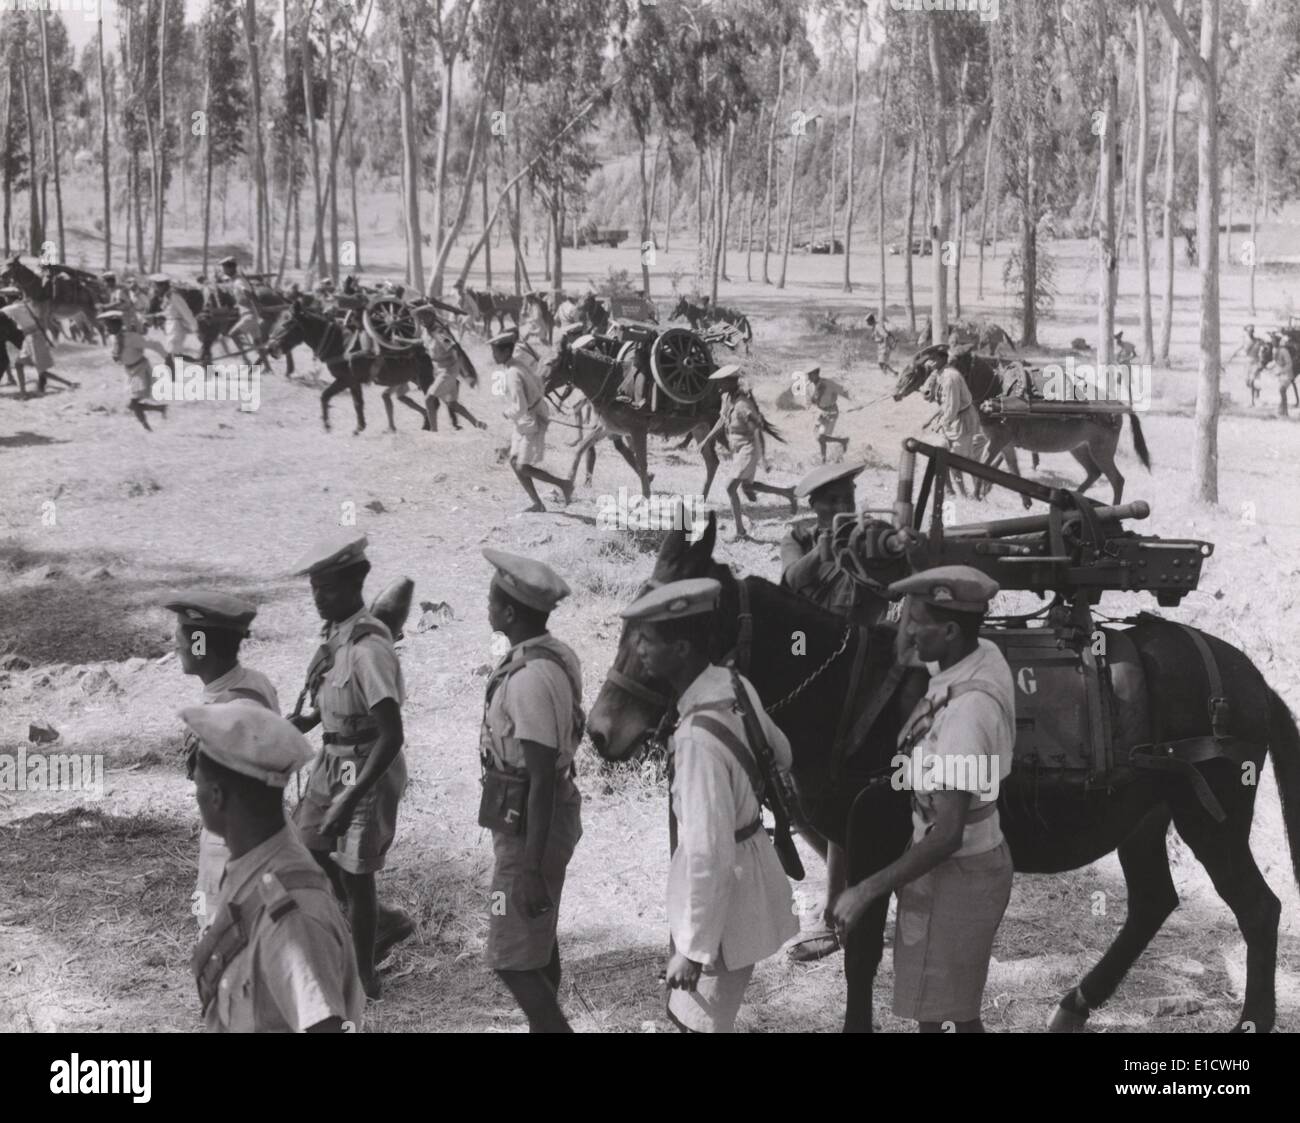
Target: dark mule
(622, 420)
(1090, 438)
(350, 369)
(63, 297)
(702, 315)
(1161, 686)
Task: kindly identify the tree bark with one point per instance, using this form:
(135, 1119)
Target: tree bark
(35, 228)
(1254, 204)
(259, 159)
(1205, 464)
(1107, 262)
(49, 126)
(984, 201)
(854, 93)
(103, 147)
(1146, 347)
(771, 156)
(410, 162)
(789, 196)
(1171, 161)
(880, 191)
(908, 228)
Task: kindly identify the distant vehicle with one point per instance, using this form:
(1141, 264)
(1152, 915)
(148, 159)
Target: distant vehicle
(593, 235)
(832, 247)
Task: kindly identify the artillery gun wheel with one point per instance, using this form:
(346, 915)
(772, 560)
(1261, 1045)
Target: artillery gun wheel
(391, 323)
(680, 363)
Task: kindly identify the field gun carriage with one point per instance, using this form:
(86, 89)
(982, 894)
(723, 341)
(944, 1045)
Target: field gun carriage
(1082, 718)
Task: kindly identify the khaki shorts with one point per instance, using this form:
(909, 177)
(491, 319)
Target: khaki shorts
(943, 936)
(826, 423)
(363, 846)
(528, 448)
(516, 941)
(714, 1003)
(446, 386)
(744, 465)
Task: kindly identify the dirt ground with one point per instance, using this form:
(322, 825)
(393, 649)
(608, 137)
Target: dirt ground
(95, 929)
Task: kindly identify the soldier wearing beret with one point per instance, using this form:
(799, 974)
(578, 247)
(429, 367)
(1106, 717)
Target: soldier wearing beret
(954, 880)
(277, 957)
(526, 407)
(743, 423)
(129, 349)
(348, 816)
(210, 627)
(729, 903)
(532, 724)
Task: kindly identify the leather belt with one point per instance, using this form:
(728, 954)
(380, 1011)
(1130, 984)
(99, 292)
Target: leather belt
(749, 831)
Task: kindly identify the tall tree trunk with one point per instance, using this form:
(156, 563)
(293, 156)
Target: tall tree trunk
(160, 173)
(103, 146)
(1146, 347)
(1029, 252)
(880, 189)
(1168, 216)
(984, 202)
(487, 247)
(207, 163)
(1107, 261)
(1232, 198)
(668, 210)
(410, 162)
(727, 196)
(331, 99)
(8, 141)
(35, 228)
(352, 184)
(854, 89)
(50, 130)
(771, 156)
(259, 159)
(909, 221)
(645, 219)
(959, 191)
(440, 158)
(1254, 204)
(789, 197)
(720, 217)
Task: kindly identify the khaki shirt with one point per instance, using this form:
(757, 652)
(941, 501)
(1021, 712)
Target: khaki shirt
(365, 672)
(725, 898)
(242, 683)
(968, 745)
(131, 350)
(525, 397)
(534, 704)
(804, 572)
(295, 971)
(742, 419)
(825, 396)
(958, 417)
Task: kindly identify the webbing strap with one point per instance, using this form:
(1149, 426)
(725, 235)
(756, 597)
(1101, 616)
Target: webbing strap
(738, 749)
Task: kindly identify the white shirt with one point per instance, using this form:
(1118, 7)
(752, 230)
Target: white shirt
(725, 898)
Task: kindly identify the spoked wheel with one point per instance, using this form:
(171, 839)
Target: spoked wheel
(391, 323)
(681, 364)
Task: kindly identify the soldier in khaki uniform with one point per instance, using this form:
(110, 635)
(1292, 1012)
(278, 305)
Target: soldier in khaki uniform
(277, 957)
(743, 425)
(824, 396)
(209, 630)
(532, 724)
(348, 816)
(954, 880)
(729, 903)
(129, 349)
